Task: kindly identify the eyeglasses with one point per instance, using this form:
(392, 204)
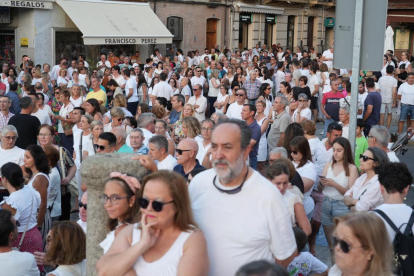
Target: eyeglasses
(294, 152)
(118, 119)
(370, 136)
(100, 147)
(156, 205)
(83, 205)
(268, 88)
(180, 151)
(12, 138)
(365, 158)
(239, 95)
(195, 89)
(199, 71)
(114, 199)
(345, 247)
(56, 92)
(206, 129)
(302, 101)
(44, 134)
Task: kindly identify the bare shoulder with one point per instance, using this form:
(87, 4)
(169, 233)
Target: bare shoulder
(195, 240)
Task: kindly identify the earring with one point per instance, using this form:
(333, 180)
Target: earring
(369, 258)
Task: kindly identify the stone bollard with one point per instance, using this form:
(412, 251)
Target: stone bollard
(95, 170)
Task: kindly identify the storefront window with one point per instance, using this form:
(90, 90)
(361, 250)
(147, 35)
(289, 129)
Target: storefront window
(70, 44)
(7, 47)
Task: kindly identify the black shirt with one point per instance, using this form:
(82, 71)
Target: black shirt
(27, 127)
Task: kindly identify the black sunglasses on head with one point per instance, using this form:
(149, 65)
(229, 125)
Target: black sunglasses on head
(156, 205)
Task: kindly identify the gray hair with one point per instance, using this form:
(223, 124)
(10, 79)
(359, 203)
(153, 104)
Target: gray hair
(138, 130)
(245, 131)
(283, 100)
(346, 108)
(381, 134)
(145, 119)
(303, 96)
(160, 141)
(120, 132)
(96, 123)
(7, 129)
(281, 150)
(117, 112)
(26, 102)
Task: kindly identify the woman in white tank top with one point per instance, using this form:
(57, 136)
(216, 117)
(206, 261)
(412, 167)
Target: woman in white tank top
(36, 161)
(338, 176)
(166, 242)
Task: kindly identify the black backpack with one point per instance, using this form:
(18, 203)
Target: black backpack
(403, 246)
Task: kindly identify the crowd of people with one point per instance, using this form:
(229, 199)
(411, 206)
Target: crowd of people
(239, 181)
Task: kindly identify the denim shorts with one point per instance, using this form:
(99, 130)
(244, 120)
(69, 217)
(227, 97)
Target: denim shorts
(406, 109)
(332, 208)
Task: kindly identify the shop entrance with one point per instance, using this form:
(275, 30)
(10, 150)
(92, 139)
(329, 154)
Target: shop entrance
(7, 47)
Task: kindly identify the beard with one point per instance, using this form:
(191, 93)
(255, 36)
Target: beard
(231, 172)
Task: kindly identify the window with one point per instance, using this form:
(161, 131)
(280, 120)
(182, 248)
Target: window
(311, 21)
(7, 48)
(290, 31)
(175, 26)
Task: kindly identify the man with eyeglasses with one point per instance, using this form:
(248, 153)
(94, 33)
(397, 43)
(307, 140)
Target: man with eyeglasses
(228, 202)
(235, 109)
(158, 150)
(199, 102)
(198, 78)
(106, 143)
(331, 104)
(83, 216)
(5, 114)
(14, 261)
(186, 157)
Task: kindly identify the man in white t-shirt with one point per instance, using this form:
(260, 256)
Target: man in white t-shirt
(103, 63)
(406, 96)
(14, 262)
(43, 116)
(198, 78)
(395, 181)
(158, 149)
(379, 136)
(388, 91)
(279, 75)
(228, 204)
(162, 89)
(199, 103)
(131, 91)
(362, 95)
(185, 89)
(327, 58)
(235, 109)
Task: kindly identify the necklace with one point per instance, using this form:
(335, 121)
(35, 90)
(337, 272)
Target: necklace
(235, 190)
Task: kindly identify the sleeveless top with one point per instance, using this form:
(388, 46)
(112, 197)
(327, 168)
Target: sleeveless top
(341, 179)
(30, 184)
(167, 265)
(70, 270)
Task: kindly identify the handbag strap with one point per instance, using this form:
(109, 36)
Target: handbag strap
(80, 146)
(27, 225)
(62, 163)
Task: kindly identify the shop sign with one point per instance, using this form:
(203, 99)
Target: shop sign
(246, 18)
(130, 41)
(270, 19)
(24, 42)
(27, 4)
(329, 22)
(4, 15)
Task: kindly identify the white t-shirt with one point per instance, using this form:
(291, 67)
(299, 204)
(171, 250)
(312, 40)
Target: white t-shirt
(70, 270)
(309, 171)
(202, 151)
(64, 112)
(76, 145)
(82, 224)
(18, 263)
(201, 80)
(162, 89)
(313, 143)
(393, 157)
(120, 80)
(221, 98)
(399, 215)
(14, 155)
(407, 93)
(54, 195)
(61, 80)
(361, 98)
(313, 80)
(253, 224)
(167, 164)
(328, 54)
(387, 84)
(234, 111)
(306, 264)
(43, 117)
(34, 81)
(307, 113)
(186, 91)
(131, 84)
(279, 77)
(78, 102)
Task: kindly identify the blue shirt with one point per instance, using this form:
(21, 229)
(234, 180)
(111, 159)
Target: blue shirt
(15, 104)
(179, 169)
(174, 116)
(125, 149)
(143, 150)
(256, 135)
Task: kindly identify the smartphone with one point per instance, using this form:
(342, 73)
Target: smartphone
(321, 176)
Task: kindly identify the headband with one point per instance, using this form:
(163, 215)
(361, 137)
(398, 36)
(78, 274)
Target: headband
(132, 182)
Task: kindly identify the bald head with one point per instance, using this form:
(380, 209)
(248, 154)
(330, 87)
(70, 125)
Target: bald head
(189, 149)
(119, 132)
(188, 144)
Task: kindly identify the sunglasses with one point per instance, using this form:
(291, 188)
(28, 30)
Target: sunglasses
(100, 147)
(156, 205)
(365, 158)
(239, 95)
(345, 247)
(180, 151)
(83, 205)
(294, 152)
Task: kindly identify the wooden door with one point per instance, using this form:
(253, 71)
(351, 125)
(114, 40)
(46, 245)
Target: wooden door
(311, 21)
(211, 34)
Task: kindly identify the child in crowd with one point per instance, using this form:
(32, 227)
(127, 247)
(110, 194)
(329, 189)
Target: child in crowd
(361, 141)
(305, 263)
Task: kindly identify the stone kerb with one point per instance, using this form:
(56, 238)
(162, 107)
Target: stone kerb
(95, 170)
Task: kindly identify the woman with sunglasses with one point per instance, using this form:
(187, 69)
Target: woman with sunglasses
(303, 111)
(302, 160)
(337, 177)
(61, 252)
(362, 246)
(117, 116)
(166, 241)
(22, 203)
(365, 194)
(92, 108)
(120, 202)
(265, 94)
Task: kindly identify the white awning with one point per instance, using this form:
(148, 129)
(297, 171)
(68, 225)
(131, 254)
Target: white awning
(259, 9)
(109, 22)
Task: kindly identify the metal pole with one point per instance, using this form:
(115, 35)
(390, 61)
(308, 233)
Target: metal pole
(355, 73)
